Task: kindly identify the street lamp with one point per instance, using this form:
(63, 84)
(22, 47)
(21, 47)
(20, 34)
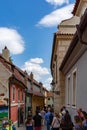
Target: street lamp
(56, 92)
(53, 86)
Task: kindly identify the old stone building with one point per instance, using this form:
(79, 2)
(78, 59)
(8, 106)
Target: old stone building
(74, 67)
(19, 92)
(74, 63)
(61, 42)
(79, 8)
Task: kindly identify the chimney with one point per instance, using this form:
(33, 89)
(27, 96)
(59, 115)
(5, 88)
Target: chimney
(25, 78)
(41, 87)
(32, 78)
(6, 53)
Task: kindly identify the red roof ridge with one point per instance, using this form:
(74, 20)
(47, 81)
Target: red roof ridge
(75, 7)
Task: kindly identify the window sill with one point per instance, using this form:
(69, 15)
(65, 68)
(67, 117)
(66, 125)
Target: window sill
(73, 106)
(68, 105)
(13, 101)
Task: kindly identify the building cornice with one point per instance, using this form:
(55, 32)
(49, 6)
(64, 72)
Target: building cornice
(75, 40)
(64, 36)
(58, 36)
(74, 57)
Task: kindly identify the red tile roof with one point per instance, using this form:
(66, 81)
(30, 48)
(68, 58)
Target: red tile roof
(75, 7)
(49, 94)
(36, 93)
(19, 75)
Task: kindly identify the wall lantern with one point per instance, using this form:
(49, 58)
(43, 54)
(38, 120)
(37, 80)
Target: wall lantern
(53, 86)
(56, 92)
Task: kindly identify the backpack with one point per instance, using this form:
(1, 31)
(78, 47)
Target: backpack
(85, 125)
(50, 118)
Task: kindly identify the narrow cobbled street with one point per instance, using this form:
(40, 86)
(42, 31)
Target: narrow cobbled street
(43, 64)
(23, 128)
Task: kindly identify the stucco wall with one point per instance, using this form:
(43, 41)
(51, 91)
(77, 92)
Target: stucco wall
(59, 100)
(50, 101)
(68, 26)
(4, 76)
(81, 88)
(82, 82)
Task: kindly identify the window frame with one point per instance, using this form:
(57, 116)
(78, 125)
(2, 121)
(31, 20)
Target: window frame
(13, 93)
(68, 90)
(22, 96)
(18, 94)
(74, 87)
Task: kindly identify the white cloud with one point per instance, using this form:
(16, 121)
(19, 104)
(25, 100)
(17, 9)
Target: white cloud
(54, 18)
(12, 39)
(41, 74)
(33, 65)
(47, 82)
(57, 2)
(37, 60)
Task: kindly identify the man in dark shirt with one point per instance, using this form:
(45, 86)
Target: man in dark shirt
(37, 121)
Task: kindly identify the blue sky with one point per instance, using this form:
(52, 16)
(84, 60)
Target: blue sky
(27, 28)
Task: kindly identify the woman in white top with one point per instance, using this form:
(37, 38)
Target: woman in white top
(56, 122)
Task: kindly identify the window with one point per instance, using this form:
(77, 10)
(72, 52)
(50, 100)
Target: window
(74, 89)
(13, 93)
(68, 91)
(18, 95)
(22, 96)
(48, 98)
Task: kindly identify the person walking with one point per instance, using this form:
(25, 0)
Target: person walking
(79, 113)
(29, 123)
(78, 123)
(47, 118)
(37, 121)
(84, 122)
(4, 126)
(66, 122)
(55, 122)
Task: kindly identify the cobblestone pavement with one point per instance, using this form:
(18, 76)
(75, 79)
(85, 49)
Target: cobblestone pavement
(23, 128)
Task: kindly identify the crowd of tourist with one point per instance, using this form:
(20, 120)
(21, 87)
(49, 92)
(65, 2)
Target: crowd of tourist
(56, 120)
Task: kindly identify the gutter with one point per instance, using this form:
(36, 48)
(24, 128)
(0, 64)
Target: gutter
(9, 100)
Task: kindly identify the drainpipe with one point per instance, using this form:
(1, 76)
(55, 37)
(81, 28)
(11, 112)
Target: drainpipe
(9, 100)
